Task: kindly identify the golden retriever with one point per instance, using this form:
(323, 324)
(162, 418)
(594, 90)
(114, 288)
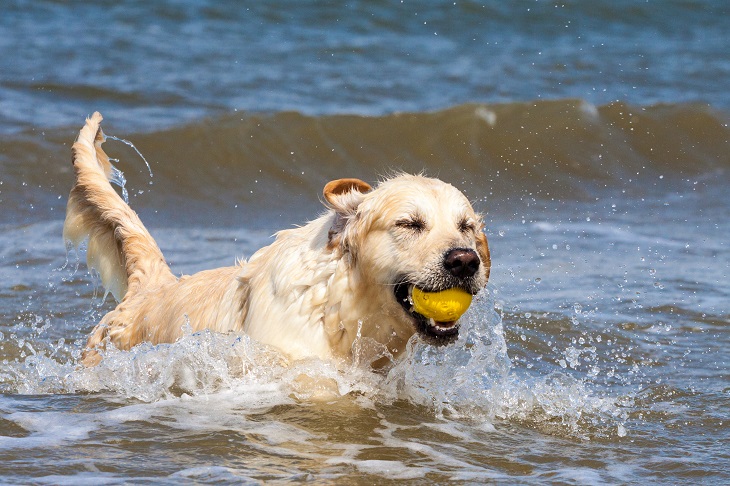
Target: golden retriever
(348, 274)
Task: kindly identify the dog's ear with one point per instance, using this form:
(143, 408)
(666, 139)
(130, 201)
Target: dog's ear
(483, 251)
(343, 196)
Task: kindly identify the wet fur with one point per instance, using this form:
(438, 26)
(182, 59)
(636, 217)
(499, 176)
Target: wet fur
(310, 293)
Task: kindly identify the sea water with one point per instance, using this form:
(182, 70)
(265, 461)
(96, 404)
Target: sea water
(593, 137)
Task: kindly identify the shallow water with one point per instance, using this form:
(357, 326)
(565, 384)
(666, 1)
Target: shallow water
(594, 138)
(597, 354)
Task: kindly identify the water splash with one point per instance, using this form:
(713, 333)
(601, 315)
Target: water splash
(130, 144)
(472, 380)
(475, 380)
(117, 177)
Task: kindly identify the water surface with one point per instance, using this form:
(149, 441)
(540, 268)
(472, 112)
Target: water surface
(593, 136)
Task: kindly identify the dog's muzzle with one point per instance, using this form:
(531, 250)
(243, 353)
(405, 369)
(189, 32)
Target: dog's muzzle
(459, 268)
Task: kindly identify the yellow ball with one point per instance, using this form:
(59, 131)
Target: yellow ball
(445, 306)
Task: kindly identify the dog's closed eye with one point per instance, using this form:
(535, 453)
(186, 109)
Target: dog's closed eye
(415, 224)
(467, 224)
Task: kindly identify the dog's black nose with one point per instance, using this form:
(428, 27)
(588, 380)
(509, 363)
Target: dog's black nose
(462, 262)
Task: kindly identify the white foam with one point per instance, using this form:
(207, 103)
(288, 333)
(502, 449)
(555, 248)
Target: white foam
(388, 469)
(485, 114)
(48, 429)
(213, 475)
(222, 374)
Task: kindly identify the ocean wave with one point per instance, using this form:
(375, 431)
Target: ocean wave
(546, 150)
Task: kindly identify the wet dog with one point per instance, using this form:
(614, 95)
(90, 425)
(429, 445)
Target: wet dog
(348, 274)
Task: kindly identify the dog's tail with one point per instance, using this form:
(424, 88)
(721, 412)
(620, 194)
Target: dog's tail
(119, 246)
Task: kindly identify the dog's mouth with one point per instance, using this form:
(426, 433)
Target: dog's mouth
(430, 330)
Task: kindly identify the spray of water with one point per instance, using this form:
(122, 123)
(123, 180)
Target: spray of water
(472, 379)
(130, 144)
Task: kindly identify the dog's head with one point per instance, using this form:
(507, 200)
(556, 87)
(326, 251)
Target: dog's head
(409, 232)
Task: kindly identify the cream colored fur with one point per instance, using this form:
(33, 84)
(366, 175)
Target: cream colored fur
(310, 293)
